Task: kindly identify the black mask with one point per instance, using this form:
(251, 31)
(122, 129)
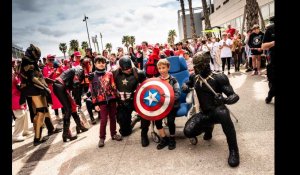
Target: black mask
(201, 63)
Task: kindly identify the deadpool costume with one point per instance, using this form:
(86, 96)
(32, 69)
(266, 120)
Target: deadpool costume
(213, 110)
(67, 81)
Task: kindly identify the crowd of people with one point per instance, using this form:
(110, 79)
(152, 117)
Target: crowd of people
(106, 82)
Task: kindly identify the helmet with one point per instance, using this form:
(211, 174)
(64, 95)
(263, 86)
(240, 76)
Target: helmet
(201, 62)
(125, 63)
(33, 53)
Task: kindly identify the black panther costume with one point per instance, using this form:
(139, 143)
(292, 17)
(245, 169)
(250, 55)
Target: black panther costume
(67, 81)
(126, 85)
(213, 109)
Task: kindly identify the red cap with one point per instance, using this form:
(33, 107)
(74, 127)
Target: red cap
(77, 54)
(50, 56)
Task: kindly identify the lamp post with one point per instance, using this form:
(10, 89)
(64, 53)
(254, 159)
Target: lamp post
(101, 41)
(85, 20)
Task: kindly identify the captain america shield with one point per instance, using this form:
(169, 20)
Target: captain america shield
(154, 99)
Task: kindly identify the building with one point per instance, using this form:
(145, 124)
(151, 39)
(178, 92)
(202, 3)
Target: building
(232, 12)
(197, 20)
(17, 51)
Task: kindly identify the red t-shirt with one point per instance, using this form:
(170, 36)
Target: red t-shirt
(231, 31)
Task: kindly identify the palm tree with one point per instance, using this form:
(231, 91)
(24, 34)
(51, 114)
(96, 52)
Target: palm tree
(63, 48)
(84, 45)
(74, 46)
(125, 41)
(171, 36)
(192, 20)
(251, 13)
(183, 19)
(206, 17)
(131, 40)
(108, 46)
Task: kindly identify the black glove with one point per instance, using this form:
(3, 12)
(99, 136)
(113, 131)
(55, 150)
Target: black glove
(184, 87)
(18, 87)
(91, 76)
(219, 99)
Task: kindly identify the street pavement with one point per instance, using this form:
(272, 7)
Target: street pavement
(255, 135)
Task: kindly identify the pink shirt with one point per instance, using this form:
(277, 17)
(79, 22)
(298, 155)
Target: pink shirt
(16, 94)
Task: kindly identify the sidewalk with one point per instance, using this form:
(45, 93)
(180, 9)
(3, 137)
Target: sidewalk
(255, 134)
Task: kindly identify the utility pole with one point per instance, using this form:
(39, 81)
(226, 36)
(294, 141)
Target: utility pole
(94, 41)
(97, 44)
(101, 41)
(87, 30)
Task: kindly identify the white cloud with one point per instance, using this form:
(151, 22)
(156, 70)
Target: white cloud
(48, 23)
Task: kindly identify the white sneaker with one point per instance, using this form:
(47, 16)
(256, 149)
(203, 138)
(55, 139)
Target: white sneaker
(18, 139)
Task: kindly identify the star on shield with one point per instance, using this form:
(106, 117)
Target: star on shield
(151, 98)
(125, 82)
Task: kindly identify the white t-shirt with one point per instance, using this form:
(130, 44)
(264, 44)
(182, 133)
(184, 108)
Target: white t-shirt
(225, 51)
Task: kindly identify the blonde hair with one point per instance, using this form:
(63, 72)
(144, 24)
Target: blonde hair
(163, 62)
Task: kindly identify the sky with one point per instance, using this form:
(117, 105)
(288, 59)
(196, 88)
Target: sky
(47, 23)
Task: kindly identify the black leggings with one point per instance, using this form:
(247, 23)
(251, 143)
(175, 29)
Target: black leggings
(224, 62)
(62, 95)
(56, 111)
(203, 122)
(171, 121)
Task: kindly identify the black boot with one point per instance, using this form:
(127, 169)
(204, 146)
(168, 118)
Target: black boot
(268, 100)
(37, 141)
(79, 125)
(93, 119)
(50, 127)
(172, 143)
(67, 133)
(208, 133)
(234, 158)
(163, 143)
(145, 141)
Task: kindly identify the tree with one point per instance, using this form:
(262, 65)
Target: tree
(108, 46)
(206, 14)
(183, 19)
(125, 41)
(193, 29)
(63, 48)
(84, 45)
(74, 46)
(171, 36)
(131, 40)
(251, 13)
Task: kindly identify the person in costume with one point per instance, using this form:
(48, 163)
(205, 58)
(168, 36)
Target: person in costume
(213, 110)
(62, 86)
(33, 85)
(127, 78)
